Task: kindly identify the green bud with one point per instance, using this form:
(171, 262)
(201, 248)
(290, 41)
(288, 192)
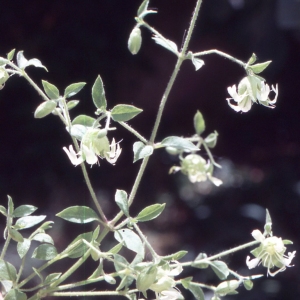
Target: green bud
(3, 76)
(102, 133)
(135, 41)
(252, 59)
(172, 150)
(248, 284)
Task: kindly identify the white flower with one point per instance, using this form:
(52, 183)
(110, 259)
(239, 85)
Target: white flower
(94, 145)
(270, 253)
(251, 89)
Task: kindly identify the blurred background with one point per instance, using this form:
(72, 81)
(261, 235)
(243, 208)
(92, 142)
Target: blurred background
(259, 151)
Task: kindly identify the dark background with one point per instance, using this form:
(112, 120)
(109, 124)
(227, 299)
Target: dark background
(259, 150)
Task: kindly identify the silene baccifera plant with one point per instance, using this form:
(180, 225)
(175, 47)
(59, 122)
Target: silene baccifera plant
(158, 277)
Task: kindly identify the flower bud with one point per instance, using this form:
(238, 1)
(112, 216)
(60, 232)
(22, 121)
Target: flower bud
(3, 76)
(135, 41)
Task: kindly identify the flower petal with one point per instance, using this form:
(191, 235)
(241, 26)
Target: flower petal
(252, 263)
(73, 156)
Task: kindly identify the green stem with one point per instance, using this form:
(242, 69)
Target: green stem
(215, 51)
(140, 137)
(224, 253)
(86, 294)
(7, 241)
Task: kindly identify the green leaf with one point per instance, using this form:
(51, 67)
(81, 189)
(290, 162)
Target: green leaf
(3, 210)
(79, 250)
(200, 265)
(43, 238)
(15, 235)
(7, 271)
(51, 277)
(211, 139)
(150, 212)
(23, 247)
(124, 112)
(10, 206)
(109, 279)
(175, 256)
(179, 143)
(141, 151)
(99, 271)
(220, 268)
(24, 210)
(197, 292)
(11, 54)
(46, 225)
(268, 224)
(116, 249)
(122, 201)
(84, 120)
(168, 44)
(186, 282)
(78, 214)
(24, 63)
(44, 252)
(130, 240)
(199, 123)
(197, 62)
(44, 109)
(73, 89)
(252, 59)
(71, 104)
(287, 242)
(143, 7)
(146, 278)
(78, 131)
(258, 68)
(120, 263)
(51, 90)
(98, 94)
(15, 295)
(227, 287)
(28, 221)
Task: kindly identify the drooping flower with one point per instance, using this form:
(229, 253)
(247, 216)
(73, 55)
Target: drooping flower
(197, 169)
(270, 253)
(251, 89)
(93, 145)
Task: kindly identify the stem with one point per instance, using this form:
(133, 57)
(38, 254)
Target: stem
(141, 138)
(84, 293)
(224, 253)
(215, 51)
(5, 247)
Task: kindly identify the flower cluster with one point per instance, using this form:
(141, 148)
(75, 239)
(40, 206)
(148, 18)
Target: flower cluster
(270, 253)
(197, 169)
(93, 145)
(251, 89)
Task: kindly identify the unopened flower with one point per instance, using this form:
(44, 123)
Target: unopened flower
(170, 294)
(270, 253)
(94, 145)
(251, 89)
(197, 169)
(135, 40)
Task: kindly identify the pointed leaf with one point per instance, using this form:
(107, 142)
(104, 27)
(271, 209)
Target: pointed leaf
(44, 109)
(120, 263)
(51, 278)
(122, 201)
(143, 7)
(71, 104)
(73, 89)
(197, 292)
(23, 62)
(257, 68)
(81, 248)
(252, 59)
(28, 221)
(150, 212)
(109, 279)
(44, 252)
(248, 284)
(199, 123)
(220, 268)
(10, 206)
(98, 93)
(197, 62)
(15, 235)
(43, 238)
(24, 210)
(186, 282)
(166, 43)
(3, 210)
(15, 295)
(78, 131)
(124, 112)
(146, 278)
(140, 151)
(130, 240)
(179, 143)
(84, 120)
(23, 247)
(116, 249)
(78, 214)
(99, 271)
(51, 90)
(200, 265)
(175, 256)
(11, 54)
(46, 225)
(7, 271)
(211, 139)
